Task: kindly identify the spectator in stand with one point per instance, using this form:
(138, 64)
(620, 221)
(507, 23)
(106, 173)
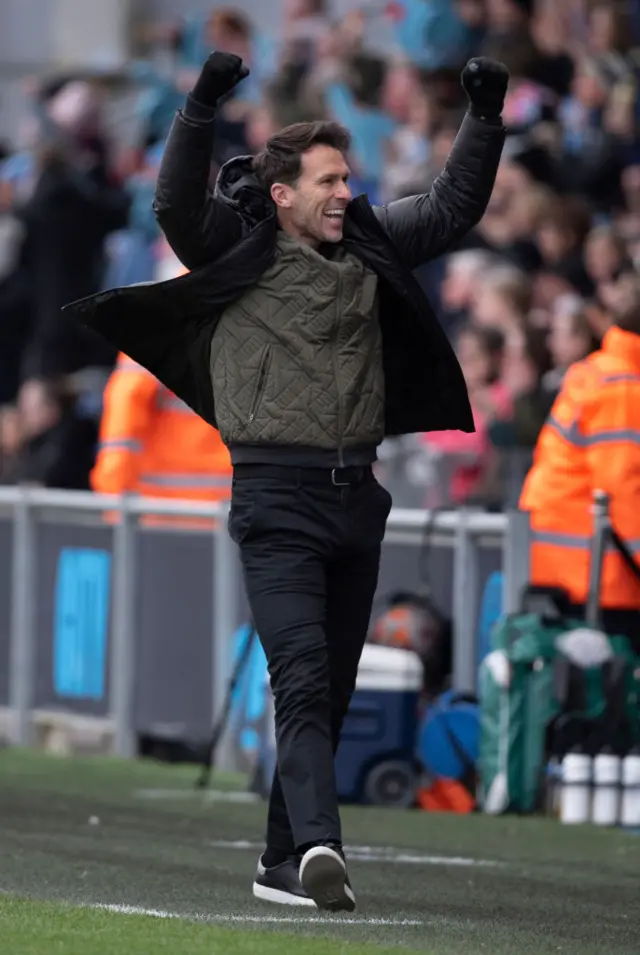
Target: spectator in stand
(609, 30)
(628, 217)
(570, 340)
(517, 205)
(529, 204)
(305, 24)
(501, 299)
(463, 273)
(552, 35)
(440, 147)
(525, 366)
(598, 317)
(226, 28)
(437, 33)
(534, 372)
(562, 229)
(480, 352)
(353, 95)
(595, 122)
(508, 24)
(606, 257)
(75, 204)
(409, 148)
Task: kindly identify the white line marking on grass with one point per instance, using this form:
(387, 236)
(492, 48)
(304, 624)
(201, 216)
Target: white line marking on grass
(211, 795)
(410, 859)
(314, 920)
(238, 845)
(255, 919)
(134, 910)
(317, 920)
(370, 854)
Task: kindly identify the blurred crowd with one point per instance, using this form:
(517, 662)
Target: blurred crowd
(526, 294)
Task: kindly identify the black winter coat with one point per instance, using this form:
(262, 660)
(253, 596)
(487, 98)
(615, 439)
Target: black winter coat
(228, 238)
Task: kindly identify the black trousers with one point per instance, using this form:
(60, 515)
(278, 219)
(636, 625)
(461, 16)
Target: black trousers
(310, 553)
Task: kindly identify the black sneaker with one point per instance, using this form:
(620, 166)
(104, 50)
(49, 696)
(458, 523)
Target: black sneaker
(323, 874)
(281, 884)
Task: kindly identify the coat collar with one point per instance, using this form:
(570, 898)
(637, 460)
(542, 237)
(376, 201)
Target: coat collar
(622, 344)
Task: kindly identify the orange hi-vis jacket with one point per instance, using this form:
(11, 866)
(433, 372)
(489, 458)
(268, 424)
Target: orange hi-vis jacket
(152, 444)
(590, 442)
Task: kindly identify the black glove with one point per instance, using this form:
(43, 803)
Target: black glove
(485, 82)
(220, 73)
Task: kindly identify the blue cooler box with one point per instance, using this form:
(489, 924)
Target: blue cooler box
(376, 761)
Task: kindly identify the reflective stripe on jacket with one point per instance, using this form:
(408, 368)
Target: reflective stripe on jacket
(591, 441)
(152, 443)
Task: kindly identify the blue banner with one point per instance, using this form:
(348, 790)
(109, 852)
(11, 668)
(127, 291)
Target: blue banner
(80, 623)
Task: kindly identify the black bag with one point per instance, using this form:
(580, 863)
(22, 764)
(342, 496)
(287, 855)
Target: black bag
(412, 620)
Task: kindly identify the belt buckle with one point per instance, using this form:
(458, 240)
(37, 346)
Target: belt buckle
(338, 483)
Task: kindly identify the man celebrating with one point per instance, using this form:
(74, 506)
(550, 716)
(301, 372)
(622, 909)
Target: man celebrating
(302, 334)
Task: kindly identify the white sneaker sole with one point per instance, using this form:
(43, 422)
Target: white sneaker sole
(323, 873)
(265, 894)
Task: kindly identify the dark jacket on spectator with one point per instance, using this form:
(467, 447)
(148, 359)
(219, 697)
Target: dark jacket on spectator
(67, 220)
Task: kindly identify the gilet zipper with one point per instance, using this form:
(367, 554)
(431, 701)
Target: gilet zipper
(336, 371)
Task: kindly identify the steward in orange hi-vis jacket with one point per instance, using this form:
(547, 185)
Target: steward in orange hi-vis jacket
(591, 441)
(152, 444)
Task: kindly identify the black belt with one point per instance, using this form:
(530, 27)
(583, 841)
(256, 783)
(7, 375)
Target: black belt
(340, 477)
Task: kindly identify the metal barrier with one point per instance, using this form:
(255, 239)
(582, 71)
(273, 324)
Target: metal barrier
(465, 532)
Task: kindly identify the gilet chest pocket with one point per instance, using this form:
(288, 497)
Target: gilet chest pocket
(261, 383)
(368, 292)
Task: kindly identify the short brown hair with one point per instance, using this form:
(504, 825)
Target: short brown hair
(231, 22)
(581, 327)
(512, 284)
(571, 215)
(281, 159)
(626, 314)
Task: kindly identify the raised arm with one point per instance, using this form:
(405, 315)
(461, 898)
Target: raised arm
(423, 227)
(198, 227)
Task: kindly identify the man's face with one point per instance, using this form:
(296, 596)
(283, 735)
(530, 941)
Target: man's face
(313, 208)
